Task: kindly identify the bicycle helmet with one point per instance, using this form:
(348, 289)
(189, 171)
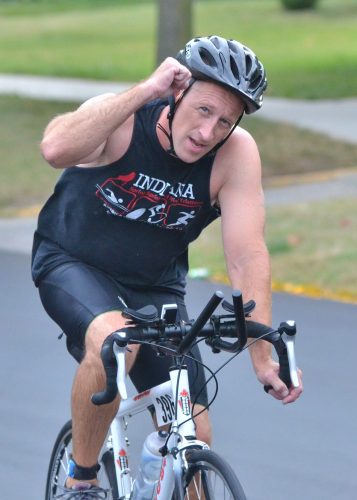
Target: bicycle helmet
(228, 63)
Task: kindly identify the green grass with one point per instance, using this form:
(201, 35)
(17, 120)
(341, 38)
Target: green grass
(307, 54)
(25, 178)
(35, 7)
(323, 249)
(310, 252)
(288, 150)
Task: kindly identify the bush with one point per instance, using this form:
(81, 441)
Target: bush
(299, 4)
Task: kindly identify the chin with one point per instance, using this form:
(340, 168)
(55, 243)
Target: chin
(189, 157)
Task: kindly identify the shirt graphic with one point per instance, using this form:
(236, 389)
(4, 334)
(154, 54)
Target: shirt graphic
(148, 199)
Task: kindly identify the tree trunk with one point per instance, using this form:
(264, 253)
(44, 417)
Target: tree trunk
(174, 27)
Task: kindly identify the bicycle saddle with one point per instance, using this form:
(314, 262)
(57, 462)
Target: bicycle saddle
(147, 314)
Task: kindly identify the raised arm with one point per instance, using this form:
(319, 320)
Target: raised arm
(84, 136)
(248, 264)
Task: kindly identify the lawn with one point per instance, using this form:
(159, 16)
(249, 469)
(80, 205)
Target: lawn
(308, 54)
(311, 253)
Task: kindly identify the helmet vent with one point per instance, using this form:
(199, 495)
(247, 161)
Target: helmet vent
(234, 69)
(207, 58)
(255, 80)
(248, 64)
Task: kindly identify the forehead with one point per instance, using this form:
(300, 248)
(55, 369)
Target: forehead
(215, 95)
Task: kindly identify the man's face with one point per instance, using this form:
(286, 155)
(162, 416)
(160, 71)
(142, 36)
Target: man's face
(204, 118)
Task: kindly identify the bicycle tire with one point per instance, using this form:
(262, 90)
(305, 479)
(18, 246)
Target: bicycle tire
(57, 469)
(208, 476)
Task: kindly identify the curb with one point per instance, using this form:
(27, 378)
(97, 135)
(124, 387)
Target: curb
(303, 290)
(313, 291)
(307, 177)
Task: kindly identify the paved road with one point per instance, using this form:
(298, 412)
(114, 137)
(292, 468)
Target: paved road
(307, 450)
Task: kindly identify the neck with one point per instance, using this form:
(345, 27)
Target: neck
(164, 131)
(164, 123)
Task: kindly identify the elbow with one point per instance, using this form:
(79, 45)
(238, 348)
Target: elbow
(51, 153)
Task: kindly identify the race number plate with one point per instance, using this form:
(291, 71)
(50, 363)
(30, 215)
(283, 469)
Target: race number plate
(164, 408)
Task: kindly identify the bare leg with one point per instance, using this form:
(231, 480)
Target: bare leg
(203, 425)
(91, 423)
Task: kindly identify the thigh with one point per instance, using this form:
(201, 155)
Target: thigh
(73, 295)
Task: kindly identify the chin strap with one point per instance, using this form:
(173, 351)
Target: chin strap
(220, 144)
(170, 116)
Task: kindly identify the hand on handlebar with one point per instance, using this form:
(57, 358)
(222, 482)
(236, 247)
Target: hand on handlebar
(282, 380)
(268, 375)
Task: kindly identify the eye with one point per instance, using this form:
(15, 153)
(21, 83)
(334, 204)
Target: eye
(204, 109)
(225, 123)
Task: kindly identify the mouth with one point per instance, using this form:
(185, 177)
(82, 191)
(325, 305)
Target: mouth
(197, 146)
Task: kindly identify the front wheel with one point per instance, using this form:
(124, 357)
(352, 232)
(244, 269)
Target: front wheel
(57, 470)
(209, 477)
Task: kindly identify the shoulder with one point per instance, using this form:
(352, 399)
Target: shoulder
(239, 149)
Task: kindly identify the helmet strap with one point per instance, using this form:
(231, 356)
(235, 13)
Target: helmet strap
(173, 103)
(170, 116)
(220, 144)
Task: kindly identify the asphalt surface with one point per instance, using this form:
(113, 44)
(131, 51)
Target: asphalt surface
(304, 451)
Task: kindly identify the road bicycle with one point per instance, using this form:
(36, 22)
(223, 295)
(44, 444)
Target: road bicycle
(189, 469)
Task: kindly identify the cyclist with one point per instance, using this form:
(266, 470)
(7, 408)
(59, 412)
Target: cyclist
(145, 172)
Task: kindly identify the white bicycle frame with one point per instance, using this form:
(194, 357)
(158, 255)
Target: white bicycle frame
(168, 398)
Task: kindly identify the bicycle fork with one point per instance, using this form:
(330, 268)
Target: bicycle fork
(182, 437)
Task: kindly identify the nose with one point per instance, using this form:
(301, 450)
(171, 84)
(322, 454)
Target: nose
(207, 130)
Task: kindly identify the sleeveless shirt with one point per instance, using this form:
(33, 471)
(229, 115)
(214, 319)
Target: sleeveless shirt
(133, 218)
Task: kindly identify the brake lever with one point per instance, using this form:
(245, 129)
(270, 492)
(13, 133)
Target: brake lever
(288, 337)
(284, 345)
(112, 353)
(121, 373)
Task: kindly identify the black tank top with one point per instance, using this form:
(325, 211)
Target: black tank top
(133, 218)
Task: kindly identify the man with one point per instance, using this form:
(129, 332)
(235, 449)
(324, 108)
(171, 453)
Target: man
(153, 167)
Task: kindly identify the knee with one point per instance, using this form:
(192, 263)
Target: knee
(98, 330)
(204, 428)
(93, 363)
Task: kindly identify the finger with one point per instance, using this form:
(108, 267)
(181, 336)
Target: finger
(182, 73)
(293, 395)
(280, 394)
(295, 392)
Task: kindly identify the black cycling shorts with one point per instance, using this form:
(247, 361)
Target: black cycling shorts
(73, 294)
